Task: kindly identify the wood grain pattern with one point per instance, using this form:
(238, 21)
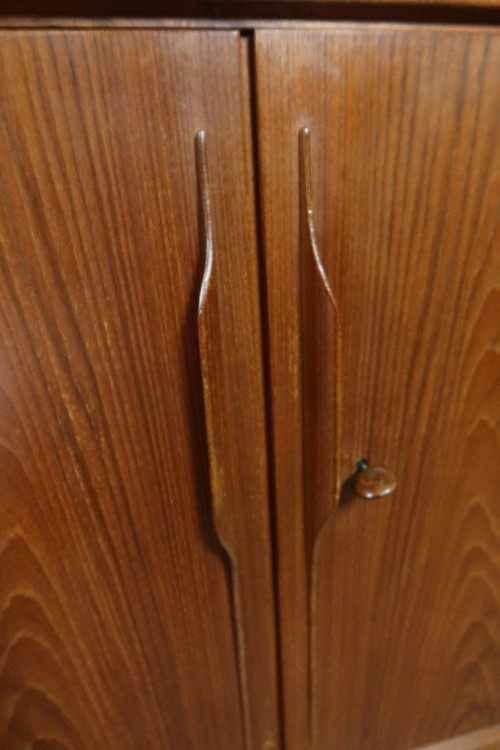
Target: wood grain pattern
(406, 178)
(320, 363)
(236, 479)
(116, 621)
(320, 345)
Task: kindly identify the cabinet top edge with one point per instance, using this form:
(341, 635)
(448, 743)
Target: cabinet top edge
(16, 23)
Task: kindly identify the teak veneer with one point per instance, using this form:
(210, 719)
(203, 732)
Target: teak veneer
(249, 379)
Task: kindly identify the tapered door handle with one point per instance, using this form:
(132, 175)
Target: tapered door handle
(238, 491)
(371, 482)
(321, 397)
(320, 346)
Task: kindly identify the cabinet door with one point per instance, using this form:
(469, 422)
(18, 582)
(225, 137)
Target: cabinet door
(390, 630)
(123, 623)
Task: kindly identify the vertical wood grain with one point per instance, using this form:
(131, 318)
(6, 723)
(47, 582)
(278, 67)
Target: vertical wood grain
(406, 178)
(117, 628)
(320, 396)
(320, 359)
(231, 444)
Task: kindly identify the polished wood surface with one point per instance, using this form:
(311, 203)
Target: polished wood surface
(234, 414)
(487, 739)
(245, 24)
(320, 344)
(374, 482)
(406, 179)
(117, 622)
(321, 353)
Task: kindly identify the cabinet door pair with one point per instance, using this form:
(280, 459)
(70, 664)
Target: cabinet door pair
(183, 561)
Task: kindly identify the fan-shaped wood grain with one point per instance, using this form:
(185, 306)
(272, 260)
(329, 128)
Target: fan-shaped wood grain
(116, 619)
(406, 178)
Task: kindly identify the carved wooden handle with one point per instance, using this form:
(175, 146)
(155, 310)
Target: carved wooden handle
(321, 386)
(320, 366)
(238, 470)
(321, 406)
(320, 348)
(209, 345)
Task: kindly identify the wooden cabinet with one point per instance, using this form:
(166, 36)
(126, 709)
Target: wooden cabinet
(124, 622)
(184, 563)
(397, 623)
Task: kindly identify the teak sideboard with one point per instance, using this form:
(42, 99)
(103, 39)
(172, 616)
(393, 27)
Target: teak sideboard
(249, 385)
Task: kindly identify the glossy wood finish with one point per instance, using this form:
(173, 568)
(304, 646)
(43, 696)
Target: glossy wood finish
(234, 414)
(117, 626)
(406, 179)
(319, 337)
(320, 344)
(487, 739)
(374, 482)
